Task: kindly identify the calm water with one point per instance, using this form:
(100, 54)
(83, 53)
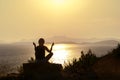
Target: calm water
(13, 55)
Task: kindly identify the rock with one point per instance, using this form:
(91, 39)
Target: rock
(42, 71)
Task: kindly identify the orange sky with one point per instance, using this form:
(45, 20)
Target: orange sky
(28, 19)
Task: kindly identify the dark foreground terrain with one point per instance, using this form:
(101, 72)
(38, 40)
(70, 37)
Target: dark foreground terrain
(88, 67)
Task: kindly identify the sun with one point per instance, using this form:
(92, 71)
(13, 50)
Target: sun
(59, 2)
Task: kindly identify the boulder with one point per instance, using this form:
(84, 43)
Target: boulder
(42, 71)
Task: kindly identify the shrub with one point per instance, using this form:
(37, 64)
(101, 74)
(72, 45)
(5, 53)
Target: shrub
(85, 62)
(116, 51)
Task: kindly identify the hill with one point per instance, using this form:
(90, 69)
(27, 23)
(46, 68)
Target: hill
(108, 66)
(103, 42)
(107, 42)
(61, 39)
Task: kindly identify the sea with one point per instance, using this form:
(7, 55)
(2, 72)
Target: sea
(12, 56)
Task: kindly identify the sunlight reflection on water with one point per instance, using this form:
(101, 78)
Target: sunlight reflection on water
(63, 53)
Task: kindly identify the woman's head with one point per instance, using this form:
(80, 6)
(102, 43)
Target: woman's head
(41, 41)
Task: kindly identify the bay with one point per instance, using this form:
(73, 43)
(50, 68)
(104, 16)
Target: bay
(13, 55)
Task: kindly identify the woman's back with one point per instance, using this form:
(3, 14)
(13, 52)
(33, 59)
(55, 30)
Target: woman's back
(40, 52)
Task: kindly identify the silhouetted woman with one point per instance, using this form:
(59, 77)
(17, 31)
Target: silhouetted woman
(40, 51)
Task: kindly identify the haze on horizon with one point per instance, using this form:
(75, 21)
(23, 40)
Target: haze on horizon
(29, 19)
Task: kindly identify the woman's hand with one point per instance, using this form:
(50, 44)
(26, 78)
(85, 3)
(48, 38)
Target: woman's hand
(51, 46)
(34, 44)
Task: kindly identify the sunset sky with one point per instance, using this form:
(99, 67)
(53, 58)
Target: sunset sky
(28, 19)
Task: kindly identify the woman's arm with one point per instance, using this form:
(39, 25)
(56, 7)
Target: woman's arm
(34, 45)
(47, 49)
(50, 48)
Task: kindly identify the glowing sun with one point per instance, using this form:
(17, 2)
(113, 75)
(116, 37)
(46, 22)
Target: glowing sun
(58, 2)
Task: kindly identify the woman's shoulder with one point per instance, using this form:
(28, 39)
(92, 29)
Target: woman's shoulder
(45, 46)
(41, 46)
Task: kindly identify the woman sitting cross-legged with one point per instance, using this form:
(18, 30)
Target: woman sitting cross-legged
(40, 51)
